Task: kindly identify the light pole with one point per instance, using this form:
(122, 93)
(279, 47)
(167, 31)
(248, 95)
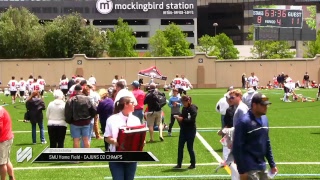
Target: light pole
(135, 45)
(215, 28)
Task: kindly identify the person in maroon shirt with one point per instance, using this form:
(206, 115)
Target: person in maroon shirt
(140, 96)
(6, 140)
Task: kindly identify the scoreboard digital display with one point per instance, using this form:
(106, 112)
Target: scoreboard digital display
(284, 18)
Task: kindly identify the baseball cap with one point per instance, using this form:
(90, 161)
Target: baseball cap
(78, 87)
(260, 99)
(135, 83)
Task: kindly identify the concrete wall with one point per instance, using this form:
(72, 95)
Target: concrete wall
(210, 73)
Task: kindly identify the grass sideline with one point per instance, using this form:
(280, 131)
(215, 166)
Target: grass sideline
(289, 144)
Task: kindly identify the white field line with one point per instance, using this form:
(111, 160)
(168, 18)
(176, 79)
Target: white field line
(216, 128)
(214, 153)
(147, 165)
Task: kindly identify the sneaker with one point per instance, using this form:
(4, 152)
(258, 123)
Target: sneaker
(177, 167)
(161, 139)
(169, 134)
(44, 142)
(191, 167)
(34, 143)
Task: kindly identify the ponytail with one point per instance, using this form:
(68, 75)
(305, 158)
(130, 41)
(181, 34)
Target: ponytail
(117, 107)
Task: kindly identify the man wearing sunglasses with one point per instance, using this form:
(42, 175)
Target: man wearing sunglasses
(235, 97)
(251, 143)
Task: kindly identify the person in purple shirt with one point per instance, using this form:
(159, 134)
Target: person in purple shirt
(105, 110)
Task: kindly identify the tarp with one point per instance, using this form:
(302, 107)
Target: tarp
(152, 72)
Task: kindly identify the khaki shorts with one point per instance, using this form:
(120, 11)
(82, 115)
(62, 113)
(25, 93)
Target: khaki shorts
(5, 151)
(153, 118)
(257, 175)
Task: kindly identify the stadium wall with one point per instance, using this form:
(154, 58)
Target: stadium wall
(201, 70)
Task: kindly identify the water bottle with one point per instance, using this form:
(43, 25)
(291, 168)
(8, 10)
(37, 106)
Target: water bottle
(189, 116)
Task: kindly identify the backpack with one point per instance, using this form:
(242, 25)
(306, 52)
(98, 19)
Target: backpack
(160, 99)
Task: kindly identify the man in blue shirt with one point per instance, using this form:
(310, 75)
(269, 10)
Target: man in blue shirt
(251, 144)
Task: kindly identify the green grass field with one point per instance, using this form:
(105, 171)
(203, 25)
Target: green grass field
(294, 133)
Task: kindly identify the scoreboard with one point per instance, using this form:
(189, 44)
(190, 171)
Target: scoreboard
(284, 18)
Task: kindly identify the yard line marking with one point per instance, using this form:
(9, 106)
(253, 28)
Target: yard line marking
(105, 166)
(147, 165)
(207, 176)
(181, 176)
(213, 153)
(217, 128)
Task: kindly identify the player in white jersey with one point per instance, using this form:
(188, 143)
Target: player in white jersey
(42, 83)
(22, 89)
(35, 86)
(92, 80)
(115, 80)
(177, 83)
(64, 85)
(29, 83)
(253, 81)
(13, 85)
(185, 84)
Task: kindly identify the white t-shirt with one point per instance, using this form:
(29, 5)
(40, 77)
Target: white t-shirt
(253, 81)
(92, 80)
(64, 84)
(22, 85)
(42, 83)
(114, 81)
(29, 83)
(125, 92)
(13, 84)
(185, 84)
(72, 88)
(35, 87)
(223, 106)
(116, 121)
(177, 83)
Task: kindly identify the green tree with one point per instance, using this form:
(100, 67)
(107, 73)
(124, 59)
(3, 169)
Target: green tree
(311, 21)
(312, 47)
(159, 45)
(21, 35)
(264, 49)
(206, 44)
(177, 41)
(121, 42)
(69, 35)
(225, 47)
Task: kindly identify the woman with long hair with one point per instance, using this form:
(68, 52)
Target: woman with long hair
(188, 129)
(122, 117)
(35, 106)
(57, 125)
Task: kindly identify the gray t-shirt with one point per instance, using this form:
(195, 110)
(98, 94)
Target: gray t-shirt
(240, 111)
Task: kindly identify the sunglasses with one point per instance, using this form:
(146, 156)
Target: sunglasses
(232, 97)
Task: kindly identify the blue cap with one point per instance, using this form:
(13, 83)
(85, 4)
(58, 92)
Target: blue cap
(135, 83)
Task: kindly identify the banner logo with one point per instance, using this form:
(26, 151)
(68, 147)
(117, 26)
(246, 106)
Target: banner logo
(104, 6)
(24, 154)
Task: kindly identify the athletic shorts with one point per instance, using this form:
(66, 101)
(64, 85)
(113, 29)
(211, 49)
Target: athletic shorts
(13, 93)
(5, 151)
(65, 91)
(153, 118)
(22, 93)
